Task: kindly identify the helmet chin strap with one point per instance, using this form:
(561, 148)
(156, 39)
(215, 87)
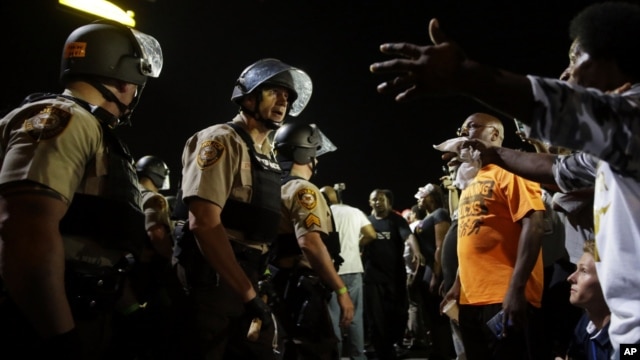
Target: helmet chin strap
(270, 124)
(314, 168)
(124, 118)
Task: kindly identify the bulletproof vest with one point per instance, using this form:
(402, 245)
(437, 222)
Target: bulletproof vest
(259, 219)
(287, 244)
(113, 219)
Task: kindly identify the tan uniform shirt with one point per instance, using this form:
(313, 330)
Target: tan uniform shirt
(216, 166)
(56, 143)
(304, 210)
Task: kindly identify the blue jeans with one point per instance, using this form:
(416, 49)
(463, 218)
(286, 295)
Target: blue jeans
(353, 282)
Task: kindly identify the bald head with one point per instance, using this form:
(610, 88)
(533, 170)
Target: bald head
(330, 194)
(483, 126)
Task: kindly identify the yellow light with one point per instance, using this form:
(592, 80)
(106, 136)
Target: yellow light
(102, 8)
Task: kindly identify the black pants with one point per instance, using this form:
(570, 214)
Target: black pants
(481, 344)
(303, 313)
(386, 306)
(213, 320)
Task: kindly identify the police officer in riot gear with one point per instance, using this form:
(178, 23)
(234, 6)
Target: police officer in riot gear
(307, 253)
(153, 176)
(231, 188)
(71, 222)
(153, 168)
(274, 73)
(153, 278)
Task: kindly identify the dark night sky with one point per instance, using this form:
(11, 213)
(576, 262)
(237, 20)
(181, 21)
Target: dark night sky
(206, 44)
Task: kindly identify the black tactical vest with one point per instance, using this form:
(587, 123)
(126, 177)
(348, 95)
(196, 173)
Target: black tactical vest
(113, 219)
(258, 220)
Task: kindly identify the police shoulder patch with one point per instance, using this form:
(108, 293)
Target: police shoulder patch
(47, 123)
(307, 198)
(210, 152)
(311, 220)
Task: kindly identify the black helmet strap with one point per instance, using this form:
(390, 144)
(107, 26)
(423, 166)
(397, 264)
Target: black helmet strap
(270, 124)
(125, 118)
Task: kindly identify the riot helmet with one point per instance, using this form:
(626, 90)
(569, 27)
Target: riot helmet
(111, 50)
(155, 169)
(301, 144)
(275, 73)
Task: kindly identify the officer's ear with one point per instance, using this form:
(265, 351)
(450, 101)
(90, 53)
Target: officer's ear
(249, 100)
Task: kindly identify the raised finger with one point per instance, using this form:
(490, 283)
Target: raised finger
(395, 85)
(393, 65)
(436, 34)
(403, 49)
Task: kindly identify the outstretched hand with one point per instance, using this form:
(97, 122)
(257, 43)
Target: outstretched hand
(487, 152)
(421, 70)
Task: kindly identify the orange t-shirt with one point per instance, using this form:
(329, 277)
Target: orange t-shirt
(488, 235)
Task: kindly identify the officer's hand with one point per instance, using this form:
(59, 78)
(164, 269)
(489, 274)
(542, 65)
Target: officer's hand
(347, 309)
(256, 308)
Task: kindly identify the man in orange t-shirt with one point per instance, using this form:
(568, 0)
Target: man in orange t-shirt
(500, 227)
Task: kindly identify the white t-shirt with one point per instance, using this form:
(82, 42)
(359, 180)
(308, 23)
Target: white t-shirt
(349, 220)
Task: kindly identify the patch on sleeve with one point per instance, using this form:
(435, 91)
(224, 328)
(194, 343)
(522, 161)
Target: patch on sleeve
(308, 198)
(210, 152)
(47, 124)
(311, 220)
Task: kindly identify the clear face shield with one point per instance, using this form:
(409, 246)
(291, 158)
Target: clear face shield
(166, 185)
(150, 65)
(304, 88)
(325, 144)
(152, 60)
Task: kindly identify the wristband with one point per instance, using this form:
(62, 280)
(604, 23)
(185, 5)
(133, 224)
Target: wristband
(130, 309)
(342, 290)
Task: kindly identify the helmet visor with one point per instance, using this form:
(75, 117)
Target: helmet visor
(304, 89)
(325, 144)
(166, 184)
(151, 61)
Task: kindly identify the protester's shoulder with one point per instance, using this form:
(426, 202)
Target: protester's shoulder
(580, 158)
(507, 178)
(351, 210)
(397, 218)
(441, 214)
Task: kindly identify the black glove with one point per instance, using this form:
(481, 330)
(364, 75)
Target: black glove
(256, 308)
(266, 287)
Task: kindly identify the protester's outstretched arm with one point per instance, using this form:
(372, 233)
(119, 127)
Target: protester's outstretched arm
(444, 69)
(536, 167)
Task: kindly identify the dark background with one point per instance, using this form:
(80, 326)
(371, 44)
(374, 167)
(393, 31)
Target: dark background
(206, 44)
